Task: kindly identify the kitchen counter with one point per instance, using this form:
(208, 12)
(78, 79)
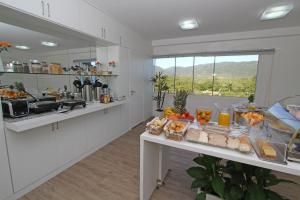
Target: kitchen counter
(34, 121)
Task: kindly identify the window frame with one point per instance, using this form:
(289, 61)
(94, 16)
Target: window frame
(216, 54)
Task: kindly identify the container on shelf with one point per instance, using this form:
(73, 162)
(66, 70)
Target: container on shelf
(18, 66)
(36, 66)
(45, 68)
(224, 117)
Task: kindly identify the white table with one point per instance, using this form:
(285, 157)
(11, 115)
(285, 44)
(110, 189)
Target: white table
(154, 160)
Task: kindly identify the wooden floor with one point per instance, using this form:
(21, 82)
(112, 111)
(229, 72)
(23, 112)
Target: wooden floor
(112, 173)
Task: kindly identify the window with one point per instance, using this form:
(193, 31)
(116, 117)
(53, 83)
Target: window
(184, 73)
(224, 75)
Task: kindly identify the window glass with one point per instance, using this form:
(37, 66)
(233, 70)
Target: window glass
(167, 66)
(203, 75)
(184, 73)
(235, 75)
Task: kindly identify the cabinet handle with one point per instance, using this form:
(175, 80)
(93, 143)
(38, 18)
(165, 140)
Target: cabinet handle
(57, 126)
(104, 33)
(48, 6)
(120, 40)
(52, 127)
(43, 7)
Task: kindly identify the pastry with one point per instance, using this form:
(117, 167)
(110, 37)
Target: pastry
(203, 137)
(266, 149)
(245, 145)
(233, 143)
(217, 140)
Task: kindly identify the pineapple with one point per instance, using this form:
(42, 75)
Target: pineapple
(180, 101)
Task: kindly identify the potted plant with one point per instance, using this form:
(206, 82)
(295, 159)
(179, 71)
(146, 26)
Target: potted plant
(217, 179)
(3, 47)
(161, 88)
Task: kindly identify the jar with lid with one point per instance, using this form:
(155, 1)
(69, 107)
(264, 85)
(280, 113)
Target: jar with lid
(36, 66)
(224, 117)
(18, 66)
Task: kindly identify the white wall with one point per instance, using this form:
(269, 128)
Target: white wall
(278, 73)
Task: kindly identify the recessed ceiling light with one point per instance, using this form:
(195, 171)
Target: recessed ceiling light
(276, 12)
(188, 24)
(23, 47)
(49, 44)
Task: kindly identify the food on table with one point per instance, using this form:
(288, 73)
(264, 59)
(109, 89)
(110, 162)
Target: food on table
(253, 118)
(187, 116)
(175, 130)
(193, 134)
(155, 126)
(233, 143)
(180, 101)
(217, 140)
(176, 126)
(203, 115)
(8, 93)
(245, 145)
(168, 111)
(217, 129)
(266, 149)
(203, 137)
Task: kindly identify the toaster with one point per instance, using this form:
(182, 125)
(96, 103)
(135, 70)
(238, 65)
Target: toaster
(15, 108)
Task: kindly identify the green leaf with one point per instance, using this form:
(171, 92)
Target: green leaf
(255, 192)
(272, 180)
(234, 193)
(199, 183)
(218, 186)
(201, 196)
(196, 172)
(273, 195)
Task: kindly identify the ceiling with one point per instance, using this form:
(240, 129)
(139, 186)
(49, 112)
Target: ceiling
(158, 19)
(20, 36)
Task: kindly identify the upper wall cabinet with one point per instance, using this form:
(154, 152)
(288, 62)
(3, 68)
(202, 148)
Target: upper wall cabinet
(90, 20)
(63, 12)
(36, 7)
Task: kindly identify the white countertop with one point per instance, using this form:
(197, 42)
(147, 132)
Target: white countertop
(251, 159)
(53, 117)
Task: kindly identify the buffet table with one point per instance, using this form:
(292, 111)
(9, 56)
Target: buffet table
(154, 160)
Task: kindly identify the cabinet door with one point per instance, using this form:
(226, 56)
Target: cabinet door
(36, 7)
(32, 155)
(65, 12)
(90, 19)
(111, 32)
(5, 180)
(71, 139)
(96, 125)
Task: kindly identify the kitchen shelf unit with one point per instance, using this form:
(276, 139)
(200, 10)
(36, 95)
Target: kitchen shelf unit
(64, 74)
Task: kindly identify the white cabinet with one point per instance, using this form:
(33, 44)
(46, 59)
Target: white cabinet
(32, 155)
(5, 180)
(36, 7)
(96, 129)
(71, 139)
(65, 12)
(90, 19)
(111, 32)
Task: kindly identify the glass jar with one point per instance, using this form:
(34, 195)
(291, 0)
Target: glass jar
(224, 117)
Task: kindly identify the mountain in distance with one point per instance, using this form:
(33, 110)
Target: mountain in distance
(237, 69)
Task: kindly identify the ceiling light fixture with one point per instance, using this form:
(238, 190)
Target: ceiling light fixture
(22, 47)
(49, 44)
(189, 24)
(276, 12)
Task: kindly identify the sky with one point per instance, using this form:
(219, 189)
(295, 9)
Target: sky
(188, 61)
